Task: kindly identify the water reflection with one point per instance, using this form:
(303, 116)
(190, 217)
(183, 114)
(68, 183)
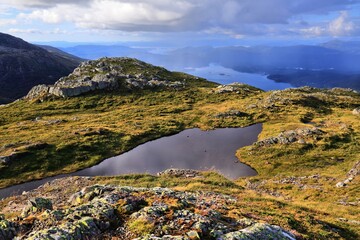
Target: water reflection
(224, 75)
(190, 149)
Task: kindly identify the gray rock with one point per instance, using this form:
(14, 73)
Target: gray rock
(100, 211)
(187, 173)
(37, 91)
(259, 231)
(102, 74)
(7, 230)
(232, 87)
(356, 111)
(298, 135)
(340, 184)
(354, 171)
(84, 228)
(37, 205)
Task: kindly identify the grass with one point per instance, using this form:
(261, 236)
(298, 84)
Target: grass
(81, 131)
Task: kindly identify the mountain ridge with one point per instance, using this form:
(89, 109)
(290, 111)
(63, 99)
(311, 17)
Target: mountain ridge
(306, 157)
(23, 65)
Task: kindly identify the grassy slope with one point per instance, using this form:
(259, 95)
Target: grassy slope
(80, 132)
(330, 157)
(97, 126)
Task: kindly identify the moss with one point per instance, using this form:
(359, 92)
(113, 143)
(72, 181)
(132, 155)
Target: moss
(141, 227)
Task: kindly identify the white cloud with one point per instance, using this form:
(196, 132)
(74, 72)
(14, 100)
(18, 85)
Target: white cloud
(40, 3)
(24, 31)
(342, 25)
(235, 18)
(313, 31)
(7, 22)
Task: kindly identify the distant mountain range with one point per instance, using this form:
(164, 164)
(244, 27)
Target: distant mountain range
(331, 64)
(24, 65)
(345, 46)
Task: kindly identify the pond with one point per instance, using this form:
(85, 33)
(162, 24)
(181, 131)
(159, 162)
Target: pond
(189, 149)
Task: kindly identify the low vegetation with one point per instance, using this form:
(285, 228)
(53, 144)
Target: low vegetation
(296, 185)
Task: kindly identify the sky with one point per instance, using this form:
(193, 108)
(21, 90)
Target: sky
(182, 21)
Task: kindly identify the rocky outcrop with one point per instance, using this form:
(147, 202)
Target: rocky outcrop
(354, 171)
(7, 229)
(186, 173)
(37, 205)
(239, 88)
(106, 74)
(103, 211)
(260, 231)
(298, 135)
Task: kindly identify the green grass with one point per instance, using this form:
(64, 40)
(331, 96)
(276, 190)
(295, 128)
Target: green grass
(91, 128)
(103, 124)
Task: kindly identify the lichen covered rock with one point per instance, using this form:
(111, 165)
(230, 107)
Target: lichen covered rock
(103, 211)
(107, 74)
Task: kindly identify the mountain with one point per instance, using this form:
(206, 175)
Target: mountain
(60, 53)
(23, 65)
(266, 59)
(306, 159)
(299, 65)
(99, 51)
(352, 47)
(106, 74)
(326, 66)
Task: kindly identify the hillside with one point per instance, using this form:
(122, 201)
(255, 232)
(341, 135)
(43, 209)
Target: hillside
(306, 158)
(23, 65)
(61, 53)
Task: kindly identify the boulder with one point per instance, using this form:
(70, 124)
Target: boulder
(7, 230)
(84, 228)
(356, 111)
(36, 91)
(37, 205)
(260, 231)
(340, 184)
(298, 135)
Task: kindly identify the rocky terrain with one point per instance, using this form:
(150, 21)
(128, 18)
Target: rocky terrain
(115, 212)
(107, 74)
(298, 135)
(306, 158)
(23, 65)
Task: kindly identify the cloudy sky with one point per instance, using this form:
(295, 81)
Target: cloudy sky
(177, 20)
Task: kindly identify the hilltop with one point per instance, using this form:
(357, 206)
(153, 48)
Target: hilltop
(24, 65)
(306, 157)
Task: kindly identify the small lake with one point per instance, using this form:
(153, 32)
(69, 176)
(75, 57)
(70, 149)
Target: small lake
(189, 149)
(222, 75)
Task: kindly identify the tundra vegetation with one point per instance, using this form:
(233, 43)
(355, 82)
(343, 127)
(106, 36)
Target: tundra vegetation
(307, 156)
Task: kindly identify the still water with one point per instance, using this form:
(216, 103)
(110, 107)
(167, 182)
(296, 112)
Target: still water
(189, 149)
(222, 75)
